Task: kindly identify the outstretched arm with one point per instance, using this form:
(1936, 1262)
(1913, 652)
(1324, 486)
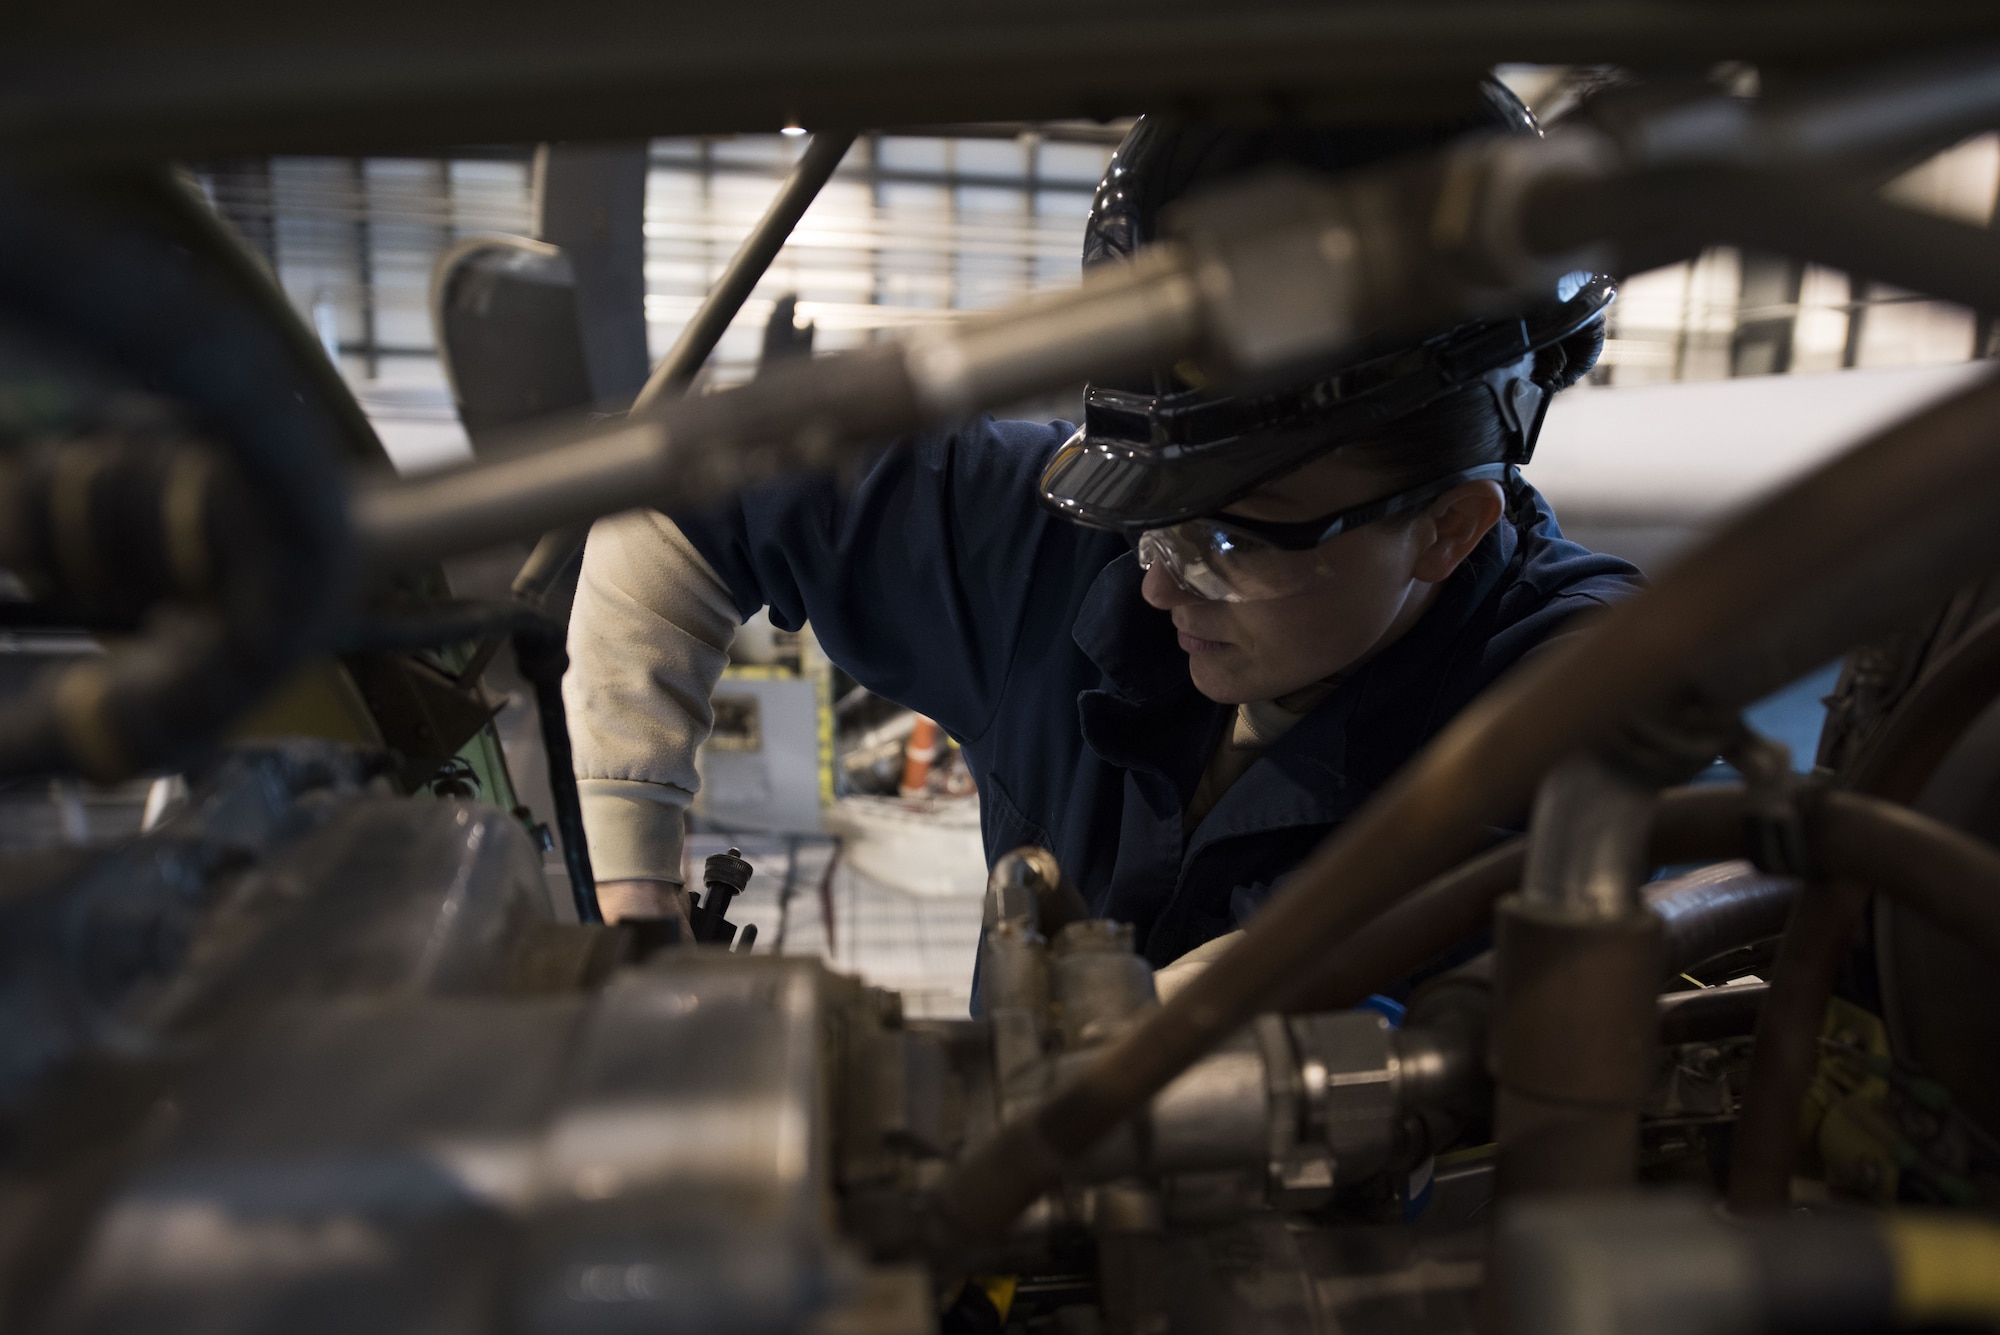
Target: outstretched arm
(924, 577)
(648, 640)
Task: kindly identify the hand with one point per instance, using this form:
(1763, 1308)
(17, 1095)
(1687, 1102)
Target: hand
(641, 898)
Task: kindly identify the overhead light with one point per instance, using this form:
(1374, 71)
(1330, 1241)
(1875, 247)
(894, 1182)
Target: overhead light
(794, 129)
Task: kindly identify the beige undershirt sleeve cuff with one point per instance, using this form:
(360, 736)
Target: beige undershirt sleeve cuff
(635, 828)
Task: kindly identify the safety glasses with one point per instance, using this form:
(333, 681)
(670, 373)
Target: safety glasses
(1230, 559)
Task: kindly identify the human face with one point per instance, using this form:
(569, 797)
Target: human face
(1371, 584)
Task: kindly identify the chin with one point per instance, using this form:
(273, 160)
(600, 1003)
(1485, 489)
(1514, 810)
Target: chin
(1220, 685)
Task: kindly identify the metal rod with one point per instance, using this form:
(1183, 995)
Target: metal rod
(1214, 293)
(683, 361)
(810, 413)
(670, 379)
(1897, 111)
(539, 651)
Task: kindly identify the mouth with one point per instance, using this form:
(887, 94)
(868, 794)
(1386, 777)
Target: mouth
(1195, 644)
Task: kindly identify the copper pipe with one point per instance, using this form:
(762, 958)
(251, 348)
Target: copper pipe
(1702, 824)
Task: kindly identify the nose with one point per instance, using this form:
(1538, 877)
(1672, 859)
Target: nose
(1163, 591)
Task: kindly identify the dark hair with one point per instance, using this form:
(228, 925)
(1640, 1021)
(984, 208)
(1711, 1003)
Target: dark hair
(1461, 430)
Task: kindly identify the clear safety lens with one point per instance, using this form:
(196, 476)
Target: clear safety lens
(1212, 562)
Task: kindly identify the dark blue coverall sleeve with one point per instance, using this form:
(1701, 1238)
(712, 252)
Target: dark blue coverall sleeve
(927, 579)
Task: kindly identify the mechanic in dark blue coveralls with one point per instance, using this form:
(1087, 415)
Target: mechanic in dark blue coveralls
(1180, 645)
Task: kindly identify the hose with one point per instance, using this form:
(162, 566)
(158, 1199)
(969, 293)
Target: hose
(1719, 908)
(241, 505)
(1707, 1014)
(1836, 556)
(1895, 764)
(1699, 824)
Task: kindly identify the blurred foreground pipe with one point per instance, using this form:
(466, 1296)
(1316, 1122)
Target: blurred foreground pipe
(1947, 875)
(1569, 1076)
(1858, 542)
(1895, 765)
(1671, 1263)
(815, 413)
(1718, 908)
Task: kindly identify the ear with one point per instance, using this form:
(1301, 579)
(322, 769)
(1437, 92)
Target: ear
(1458, 520)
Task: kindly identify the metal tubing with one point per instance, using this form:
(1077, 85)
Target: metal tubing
(1209, 297)
(1572, 1046)
(816, 413)
(1895, 765)
(811, 414)
(677, 370)
(1765, 1142)
(1572, 1073)
(1579, 1020)
(1892, 111)
(1930, 483)
(1705, 1014)
(1703, 824)
(1214, 1114)
(1947, 875)
(84, 82)
(1660, 216)
(551, 556)
(1587, 843)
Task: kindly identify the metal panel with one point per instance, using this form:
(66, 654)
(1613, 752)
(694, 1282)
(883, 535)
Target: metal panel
(650, 1160)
